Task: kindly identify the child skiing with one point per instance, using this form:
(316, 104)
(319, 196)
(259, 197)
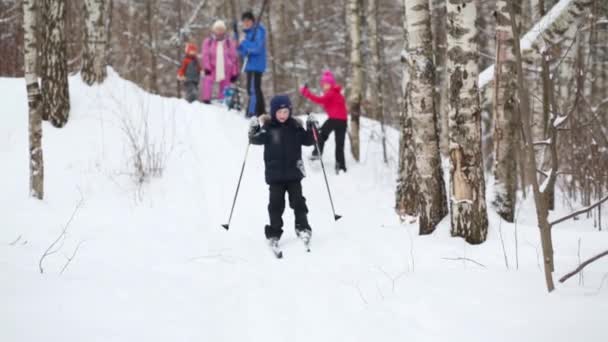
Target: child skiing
(283, 137)
(190, 72)
(334, 104)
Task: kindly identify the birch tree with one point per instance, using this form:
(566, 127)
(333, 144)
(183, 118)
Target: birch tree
(504, 109)
(356, 87)
(30, 22)
(53, 63)
(407, 183)
(468, 207)
(377, 93)
(94, 56)
(431, 197)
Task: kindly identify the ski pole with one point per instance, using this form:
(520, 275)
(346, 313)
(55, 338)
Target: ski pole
(316, 137)
(236, 193)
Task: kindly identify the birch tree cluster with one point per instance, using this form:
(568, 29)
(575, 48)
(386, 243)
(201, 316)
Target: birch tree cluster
(509, 95)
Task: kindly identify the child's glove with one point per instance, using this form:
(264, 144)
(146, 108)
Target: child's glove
(234, 78)
(207, 72)
(311, 122)
(304, 89)
(254, 126)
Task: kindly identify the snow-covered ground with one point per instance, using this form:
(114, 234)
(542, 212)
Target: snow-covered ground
(153, 263)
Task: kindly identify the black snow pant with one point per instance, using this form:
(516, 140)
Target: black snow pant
(276, 207)
(191, 91)
(339, 129)
(256, 105)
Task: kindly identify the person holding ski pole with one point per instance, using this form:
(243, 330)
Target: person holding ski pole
(253, 51)
(220, 62)
(334, 104)
(283, 137)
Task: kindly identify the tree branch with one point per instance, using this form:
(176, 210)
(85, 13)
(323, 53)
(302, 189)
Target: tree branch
(583, 265)
(50, 250)
(579, 212)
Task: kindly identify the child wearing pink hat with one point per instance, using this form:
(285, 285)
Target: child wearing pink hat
(334, 104)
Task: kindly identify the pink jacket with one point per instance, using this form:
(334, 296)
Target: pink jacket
(208, 56)
(332, 101)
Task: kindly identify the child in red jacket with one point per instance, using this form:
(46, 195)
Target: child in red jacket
(334, 104)
(190, 72)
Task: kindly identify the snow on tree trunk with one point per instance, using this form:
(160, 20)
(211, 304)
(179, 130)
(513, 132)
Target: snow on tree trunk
(505, 178)
(30, 54)
(356, 87)
(53, 64)
(407, 184)
(432, 205)
(468, 206)
(94, 55)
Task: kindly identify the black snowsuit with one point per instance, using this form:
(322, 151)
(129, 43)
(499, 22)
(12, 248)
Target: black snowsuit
(284, 170)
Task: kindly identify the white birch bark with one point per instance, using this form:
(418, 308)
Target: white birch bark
(504, 108)
(407, 183)
(54, 69)
(94, 56)
(468, 207)
(30, 54)
(356, 87)
(432, 205)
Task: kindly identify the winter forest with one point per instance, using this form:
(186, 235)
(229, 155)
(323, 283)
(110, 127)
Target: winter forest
(307, 170)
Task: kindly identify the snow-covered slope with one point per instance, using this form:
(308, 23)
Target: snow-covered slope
(153, 263)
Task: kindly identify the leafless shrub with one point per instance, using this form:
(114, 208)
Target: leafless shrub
(54, 247)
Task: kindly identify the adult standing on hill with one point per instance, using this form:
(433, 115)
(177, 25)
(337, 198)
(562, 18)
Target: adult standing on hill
(219, 61)
(253, 51)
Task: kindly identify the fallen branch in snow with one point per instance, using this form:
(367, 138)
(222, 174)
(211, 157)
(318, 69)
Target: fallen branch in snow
(69, 259)
(583, 265)
(15, 242)
(465, 259)
(50, 250)
(579, 212)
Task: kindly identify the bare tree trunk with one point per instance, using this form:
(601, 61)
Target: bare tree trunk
(407, 183)
(356, 90)
(377, 83)
(151, 10)
(54, 68)
(94, 58)
(30, 22)
(542, 212)
(273, 56)
(438, 27)
(432, 205)
(505, 178)
(468, 205)
(108, 27)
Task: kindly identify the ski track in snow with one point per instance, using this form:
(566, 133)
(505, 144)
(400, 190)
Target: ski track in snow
(155, 265)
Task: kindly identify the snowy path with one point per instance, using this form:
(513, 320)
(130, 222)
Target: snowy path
(155, 265)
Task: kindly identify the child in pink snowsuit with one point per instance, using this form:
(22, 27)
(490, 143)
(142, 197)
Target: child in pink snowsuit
(219, 61)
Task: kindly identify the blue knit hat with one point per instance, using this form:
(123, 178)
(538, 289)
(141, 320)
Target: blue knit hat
(279, 102)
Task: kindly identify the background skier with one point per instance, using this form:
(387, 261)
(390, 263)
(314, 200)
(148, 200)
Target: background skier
(253, 50)
(334, 104)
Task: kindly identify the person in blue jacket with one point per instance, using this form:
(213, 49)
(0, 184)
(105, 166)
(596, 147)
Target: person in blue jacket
(253, 51)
